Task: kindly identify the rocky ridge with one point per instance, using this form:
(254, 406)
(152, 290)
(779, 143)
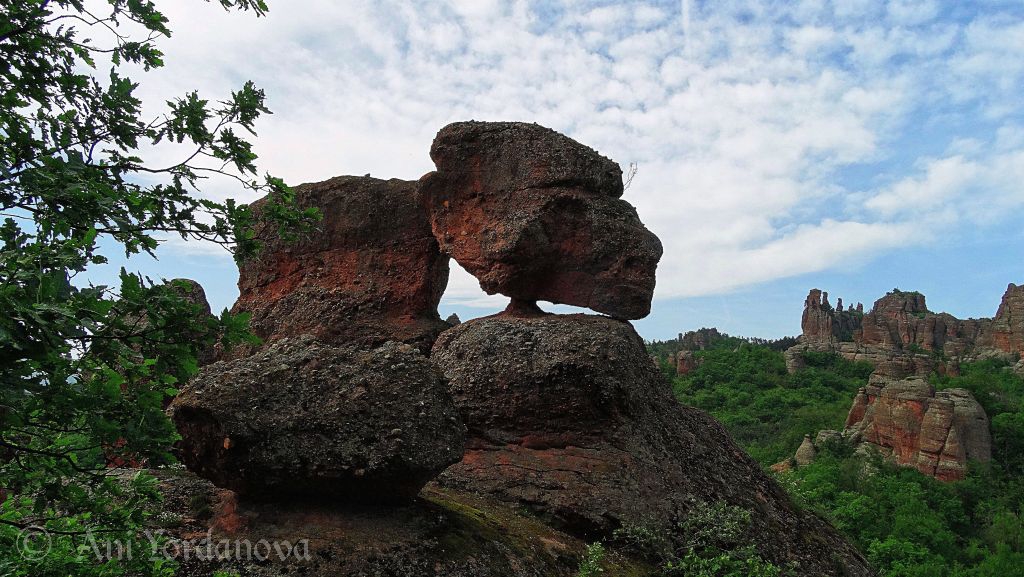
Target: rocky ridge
(901, 337)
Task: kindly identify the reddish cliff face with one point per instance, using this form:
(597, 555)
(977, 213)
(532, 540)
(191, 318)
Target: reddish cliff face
(821, 324)
(935, 432)
(371, 272)
(1008, 326)
(900, 336)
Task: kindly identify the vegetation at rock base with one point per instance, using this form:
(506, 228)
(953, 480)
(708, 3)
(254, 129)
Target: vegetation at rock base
(908, 524)
(767, 410)
(711, 542)
(85, 370)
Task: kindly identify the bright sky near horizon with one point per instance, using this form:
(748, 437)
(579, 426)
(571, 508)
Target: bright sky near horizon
(850, 145)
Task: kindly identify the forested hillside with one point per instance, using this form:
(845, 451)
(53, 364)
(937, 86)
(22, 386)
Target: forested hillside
(907, 523)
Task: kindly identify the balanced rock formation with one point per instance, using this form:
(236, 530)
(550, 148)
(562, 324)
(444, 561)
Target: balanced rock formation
(569, 418)
(306, 419)
(371, 272)
(535, 215)
(936, 432)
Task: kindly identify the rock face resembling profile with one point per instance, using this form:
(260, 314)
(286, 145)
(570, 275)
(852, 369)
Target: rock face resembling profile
(302, 419)
(569, 418)
(937, 433)
(535, 215)
(371, 272)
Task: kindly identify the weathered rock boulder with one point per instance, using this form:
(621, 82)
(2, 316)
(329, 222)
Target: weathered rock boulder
(371, 272)
(443, 533)
(806, 452)
(935, 432)
(569, 418)
(685, 362)
(302, 419)
(535, 215)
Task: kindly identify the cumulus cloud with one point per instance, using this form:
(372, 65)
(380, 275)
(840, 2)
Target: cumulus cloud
(744, 118)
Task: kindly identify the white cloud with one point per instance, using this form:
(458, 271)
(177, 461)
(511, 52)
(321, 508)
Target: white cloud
(742, 129)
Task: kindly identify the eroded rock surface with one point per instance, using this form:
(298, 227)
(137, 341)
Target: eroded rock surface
(937, 432)
(685, 362)
(535, 215)
(372, 271)
(302, 419)
(568, 417)
(901, 337)
(1008, 325)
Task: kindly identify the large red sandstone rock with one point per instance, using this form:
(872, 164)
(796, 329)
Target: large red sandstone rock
(371, 272)
(535, 215)
(569, 418)
(935, 432)
(302, 419)
(1008, 325)
(821, 324)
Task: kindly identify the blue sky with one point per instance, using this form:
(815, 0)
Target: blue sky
(853, 146)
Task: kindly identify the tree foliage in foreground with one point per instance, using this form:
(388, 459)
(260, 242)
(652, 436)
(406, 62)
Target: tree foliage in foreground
(85, 370)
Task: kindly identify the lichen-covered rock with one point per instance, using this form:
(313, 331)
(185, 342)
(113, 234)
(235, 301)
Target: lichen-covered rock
(936, 432)
(568, 417)
(371, 272)
(308, 420)
(535, 215)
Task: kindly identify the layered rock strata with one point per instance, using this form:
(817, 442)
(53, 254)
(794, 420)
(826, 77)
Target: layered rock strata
(936, 432)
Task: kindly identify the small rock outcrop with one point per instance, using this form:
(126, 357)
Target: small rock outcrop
(685, 362)
(936, 432)
(302, 419)
(371, 272)
(535, 215)
(1008, 325)
(569, 418)
(806, 453)
(700, 339)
